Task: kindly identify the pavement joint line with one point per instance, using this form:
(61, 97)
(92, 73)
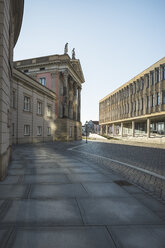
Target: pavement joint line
(126, 164)
(70, 149)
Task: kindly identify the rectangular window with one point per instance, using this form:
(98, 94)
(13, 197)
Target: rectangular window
(135, 106)
(26, 103)
(39, 108)
(39, 131)
(49, 131)
(158, 98)
(43, 81)
(142, 104)
(137, 86)
(49, 111)
(148, 102)
(14, 99)
(142, 84)
(163, 72)
(26, 130)
(152, 77)
(157, 79)
(147, 81)
(163, 96)
(134, 88)
(152, 100)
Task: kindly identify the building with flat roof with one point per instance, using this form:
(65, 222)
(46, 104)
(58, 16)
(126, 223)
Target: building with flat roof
(137, 108)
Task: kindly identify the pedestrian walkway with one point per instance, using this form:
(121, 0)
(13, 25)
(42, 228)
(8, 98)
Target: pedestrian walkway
(54, 199)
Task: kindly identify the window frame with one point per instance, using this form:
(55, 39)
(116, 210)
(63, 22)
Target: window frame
(26, 127)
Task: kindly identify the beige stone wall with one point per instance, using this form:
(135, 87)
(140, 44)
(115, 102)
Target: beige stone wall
(20, 117)
(67, 129)
(5, 75)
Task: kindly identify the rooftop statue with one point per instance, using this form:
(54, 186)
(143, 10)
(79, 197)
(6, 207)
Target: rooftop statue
(73, 54)
(66, 48)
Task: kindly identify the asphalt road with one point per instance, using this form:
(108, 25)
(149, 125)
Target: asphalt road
(152, 159)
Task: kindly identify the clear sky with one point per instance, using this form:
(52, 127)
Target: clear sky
(114, 40)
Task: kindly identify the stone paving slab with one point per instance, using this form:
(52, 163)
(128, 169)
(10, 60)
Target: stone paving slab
(52, 171)
(94, 177)
(68, 237)
(105, 189)
(3, 236)
(132, 189)
(82, 170)
(139, 236)
(43, 212)
(77, 165)
(10, 180)
(42, 165)
(12, 191)
(60, 190)
(150, 202)
(116, 211)
(18, 172)
(32, 179)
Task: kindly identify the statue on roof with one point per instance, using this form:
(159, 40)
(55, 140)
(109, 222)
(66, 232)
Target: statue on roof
(73, 54)
(66, 48)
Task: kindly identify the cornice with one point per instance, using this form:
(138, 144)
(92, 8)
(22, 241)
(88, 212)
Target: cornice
(141, 117)
(17, 8)
(23, 78)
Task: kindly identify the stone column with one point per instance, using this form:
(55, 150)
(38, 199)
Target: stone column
(121, 129)
(65, 95)
(70, 107)
(133, 128)
(79, 104)
(75, 102)
(148, 128)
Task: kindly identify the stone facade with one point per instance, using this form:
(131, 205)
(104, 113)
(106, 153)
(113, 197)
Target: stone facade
(63, 76)
(31, 120)
(137, 108)
(10, 22)
(40, 98)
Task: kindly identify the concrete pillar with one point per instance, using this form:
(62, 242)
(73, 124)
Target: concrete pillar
(133, 128)
(113, 127)
(122, 129)
(148, 128)
(106, 130)
(101, 130)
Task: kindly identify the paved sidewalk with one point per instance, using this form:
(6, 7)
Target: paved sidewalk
(54, 199)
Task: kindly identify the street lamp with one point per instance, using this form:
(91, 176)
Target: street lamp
(86, 129)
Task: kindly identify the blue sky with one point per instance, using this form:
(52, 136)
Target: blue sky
(114, 40)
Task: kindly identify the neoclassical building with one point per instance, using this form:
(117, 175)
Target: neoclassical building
(62, 76)
(40, 98)
(11, 12)
(137, 108)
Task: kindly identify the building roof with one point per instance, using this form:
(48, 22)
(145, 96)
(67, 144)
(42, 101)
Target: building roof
(57, 59)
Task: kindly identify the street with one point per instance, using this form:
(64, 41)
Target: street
(53, 197)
